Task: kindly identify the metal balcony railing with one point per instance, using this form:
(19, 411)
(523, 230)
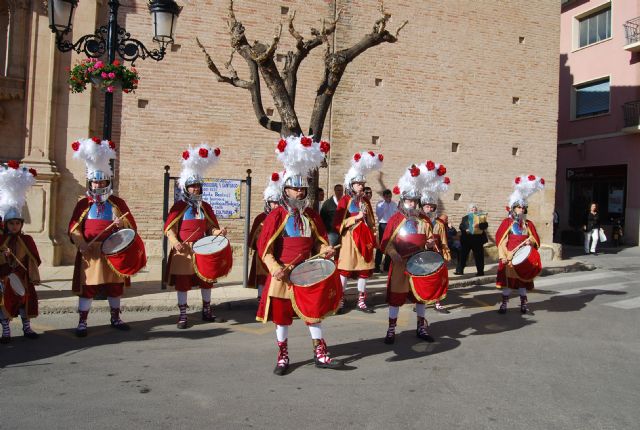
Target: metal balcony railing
(631, 113)
(632, 30)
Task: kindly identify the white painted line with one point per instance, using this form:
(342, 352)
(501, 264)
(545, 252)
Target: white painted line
(633, 303)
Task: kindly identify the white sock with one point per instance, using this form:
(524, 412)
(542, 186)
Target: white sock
(84, 304)
(522, 291)
(114, 302)
(420, 309)
(343, 279)
(362, 285)
(282, 332)
(206, 294)
(394, 311)
(316, 331)
(182, 297)
(506, 291)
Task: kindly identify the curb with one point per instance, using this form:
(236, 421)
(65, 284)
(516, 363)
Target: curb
(50, 307)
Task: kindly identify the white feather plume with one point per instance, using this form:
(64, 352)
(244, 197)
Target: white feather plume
(96, 156)
(273, 191)
(524, 186)
(434, 180)
(196, 161)
(363, 163)
(14, 184)
(300, 155)
(411, 184)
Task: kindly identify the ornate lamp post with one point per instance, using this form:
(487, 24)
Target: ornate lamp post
(111, 38)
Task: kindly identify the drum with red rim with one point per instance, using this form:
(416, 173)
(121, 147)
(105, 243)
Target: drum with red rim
(212, 258)
(526, 263)
(428, 276)
(125, 252)
(317, 289)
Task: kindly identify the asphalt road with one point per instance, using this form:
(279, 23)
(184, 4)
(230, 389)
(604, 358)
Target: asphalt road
(572, 365)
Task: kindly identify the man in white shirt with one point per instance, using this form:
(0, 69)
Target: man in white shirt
(384, 210)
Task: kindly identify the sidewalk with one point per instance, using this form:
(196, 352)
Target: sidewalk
(146, 294)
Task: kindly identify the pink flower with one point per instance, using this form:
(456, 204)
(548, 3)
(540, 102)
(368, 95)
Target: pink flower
(99, 64)
(104, 75)
(116, 62)
(110, 89)
(112, 75)
(91, 69)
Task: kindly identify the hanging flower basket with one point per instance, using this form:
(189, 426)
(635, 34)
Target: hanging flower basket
(108, 77)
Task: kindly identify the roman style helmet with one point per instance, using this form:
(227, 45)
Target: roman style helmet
(195, 162)
(362, 163)
(97, 155)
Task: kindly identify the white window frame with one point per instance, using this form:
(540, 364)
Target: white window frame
(576, 25)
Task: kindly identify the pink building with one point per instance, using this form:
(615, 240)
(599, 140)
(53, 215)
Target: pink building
(599, 115)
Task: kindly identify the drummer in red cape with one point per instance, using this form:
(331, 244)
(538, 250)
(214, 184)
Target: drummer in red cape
(19, 259)
(409, 233)
(191, 219)
(435, 184)
(518, 239)
(355, 223)
(272, 196)
(95, 217)
(290, 234)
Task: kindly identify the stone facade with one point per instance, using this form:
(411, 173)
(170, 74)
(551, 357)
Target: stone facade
(478, 75)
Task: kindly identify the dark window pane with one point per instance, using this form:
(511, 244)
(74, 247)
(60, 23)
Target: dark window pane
(603, 25)
(584, 27)
(593, 30)
(592, 99)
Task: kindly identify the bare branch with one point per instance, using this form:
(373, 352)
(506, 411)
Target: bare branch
(274, 45)
(400, 28)
(233, 79)
(296, 35)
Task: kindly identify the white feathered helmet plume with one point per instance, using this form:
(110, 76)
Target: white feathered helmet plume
(195, 162)
(362, 163)
(15, 181)
(524, 186)
(97, 155)
(300, 155)
(435, 182)
(273, 192)
(410, 184)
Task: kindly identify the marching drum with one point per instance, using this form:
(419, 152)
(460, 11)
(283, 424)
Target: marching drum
(428, 276)
(125, 252)
(16, 284)
(212, 257)
(526, 263)
(317, 289)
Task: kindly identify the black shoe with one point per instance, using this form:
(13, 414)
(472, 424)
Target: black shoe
(425, 336)
(390, 339)
(281, 370)
(31, 335)
(120, 325)
(480, 274)
(502, 310)
(458, 273)
(212, 318)
(333, 364)
(81, 332)
(377, 270)
(182, 325)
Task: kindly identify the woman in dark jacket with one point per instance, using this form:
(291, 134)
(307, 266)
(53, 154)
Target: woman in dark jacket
(591, 230)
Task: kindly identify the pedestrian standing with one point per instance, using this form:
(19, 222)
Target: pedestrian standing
(473, 236)
(591, 230)
(328, 211)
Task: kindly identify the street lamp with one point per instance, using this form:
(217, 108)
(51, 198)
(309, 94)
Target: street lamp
(111, 38)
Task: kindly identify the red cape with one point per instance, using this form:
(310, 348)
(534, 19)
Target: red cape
(274, 224)
(82, 209)
(178, 209)
(505, 227)
(342, 212)
(253, 238)
(28, 242)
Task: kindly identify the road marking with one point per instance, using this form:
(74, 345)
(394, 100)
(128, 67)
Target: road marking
(633, 303)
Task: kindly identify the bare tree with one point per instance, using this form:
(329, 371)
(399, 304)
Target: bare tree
(282, 84)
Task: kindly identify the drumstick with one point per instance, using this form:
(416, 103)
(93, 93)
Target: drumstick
(322, 253)
(107, 228)
(522, 244)
(190, 236)
(24, 267)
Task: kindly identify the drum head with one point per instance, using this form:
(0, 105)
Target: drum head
(16, 284)
(424, 263)
(311, 272)
(521, 255)
(118, 241)
(210, 245)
